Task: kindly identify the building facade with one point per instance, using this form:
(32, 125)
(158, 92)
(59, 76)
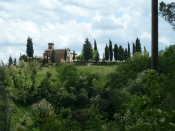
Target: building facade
(59, 54)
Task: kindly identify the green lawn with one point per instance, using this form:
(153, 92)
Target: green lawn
(103, 71)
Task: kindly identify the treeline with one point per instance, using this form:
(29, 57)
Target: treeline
(116, 53)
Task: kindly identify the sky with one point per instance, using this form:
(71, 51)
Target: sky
(67, 23)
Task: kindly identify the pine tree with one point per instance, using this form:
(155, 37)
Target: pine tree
(65, 54)
(110, 50)
(133, 49)
(73, 55)
(115, 52)
(10, 61)
(129, 54)
(87, 50)
(29, 50)
(106, 53)
(53, 56)
(95, 45)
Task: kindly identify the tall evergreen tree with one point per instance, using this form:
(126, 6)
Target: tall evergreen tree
(106, 53)
(95, 45)
(53, 56)
(133, 49)
(73, 55)
(65, 55)
(110, 50)
(29, 50)
(96, 56)
(125, 54)
(115, 52)
(121, 53)
(87, 50)
(10, 61)
(14, 62)
(138, 46)
(129, 54)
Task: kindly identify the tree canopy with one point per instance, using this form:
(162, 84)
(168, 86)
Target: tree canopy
(167, 11)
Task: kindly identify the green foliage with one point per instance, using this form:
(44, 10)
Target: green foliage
(115, 52)
(138, 46)
(87, 50)
(66, 72)
(110, 50)
(95, 45)
(10, 61)
(133, 49)
(167, 11)
(95, 56)
(29, 50)
(23, 57)
(129, 54)
(128, 70)
(106, 52)
(125, 54)
(121, 53)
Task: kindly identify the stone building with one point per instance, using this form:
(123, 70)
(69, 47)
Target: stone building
(59, 54)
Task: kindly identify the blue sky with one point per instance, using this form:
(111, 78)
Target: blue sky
(67, 23)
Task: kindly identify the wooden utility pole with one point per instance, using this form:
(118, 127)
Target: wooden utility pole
(154, 49)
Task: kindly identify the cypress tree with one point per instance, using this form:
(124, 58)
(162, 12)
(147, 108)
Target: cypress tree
(121, 53)
(133, 49)
(53, 56)
(125, 54)
(129, 54)
(29, 50)
(87, 50)
(65, 54)
(95, 45)
(138, 46)
(97, 57)
(115, 52)
(106, 53)
(110, 50)
(73, 55)
(10, 61)
(14, 62)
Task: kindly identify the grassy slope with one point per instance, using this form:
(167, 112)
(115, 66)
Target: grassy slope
(103, 71)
